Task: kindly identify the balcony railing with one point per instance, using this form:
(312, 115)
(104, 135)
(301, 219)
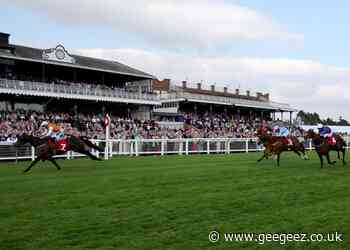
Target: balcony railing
(75, 91)
(230, 101)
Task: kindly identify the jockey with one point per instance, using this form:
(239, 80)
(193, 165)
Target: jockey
(56, 133)
(283, 132)
(54, 130)
(326, 132)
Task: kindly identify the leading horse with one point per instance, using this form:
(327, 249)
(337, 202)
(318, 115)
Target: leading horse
(46, 150)
(275, 145)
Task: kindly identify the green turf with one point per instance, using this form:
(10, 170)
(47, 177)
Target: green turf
(171, 202)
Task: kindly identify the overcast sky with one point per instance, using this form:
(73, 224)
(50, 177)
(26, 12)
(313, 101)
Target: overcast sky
(295, 50)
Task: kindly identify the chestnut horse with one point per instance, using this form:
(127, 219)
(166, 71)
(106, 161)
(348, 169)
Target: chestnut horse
(323, 148)
(45, 149)
(275, 145)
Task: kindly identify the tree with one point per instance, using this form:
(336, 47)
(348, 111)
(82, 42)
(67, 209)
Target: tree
(314, 118)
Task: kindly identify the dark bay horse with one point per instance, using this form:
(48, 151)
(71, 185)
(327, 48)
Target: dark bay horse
(323, 148)
(45, 150)
(275, 145)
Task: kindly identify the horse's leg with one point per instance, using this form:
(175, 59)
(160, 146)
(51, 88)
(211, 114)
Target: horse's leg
(338, 154)
(321, 158)
(278, 159)
(302, 150)
(32, 164)
(343, 151)
(295, 151)
(86, 152)
(91, 145)
(264, 156)
(55, 163)
(328, 159)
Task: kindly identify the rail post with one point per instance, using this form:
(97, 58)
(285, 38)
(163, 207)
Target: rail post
(246, 146)
(208, 146)
(310, 145)
(227, 142)
(110, 149)
(33, 154)
(106, 150)
(162, 144)
(97, 152)
(186, 147)
(136, 147)
(181, 145)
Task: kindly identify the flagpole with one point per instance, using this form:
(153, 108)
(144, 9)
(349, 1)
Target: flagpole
(107, 126)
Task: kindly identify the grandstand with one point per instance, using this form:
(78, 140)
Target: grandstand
(40, 84)
(198, 98)
(51, 78)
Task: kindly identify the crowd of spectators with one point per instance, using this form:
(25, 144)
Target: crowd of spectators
(92, 126)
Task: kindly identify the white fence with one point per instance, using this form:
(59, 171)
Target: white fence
(152, 147)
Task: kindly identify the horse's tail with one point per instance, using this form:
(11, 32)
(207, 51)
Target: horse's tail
(343, 142)
(90, 144)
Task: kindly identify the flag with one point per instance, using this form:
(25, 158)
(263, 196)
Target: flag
(107, 120)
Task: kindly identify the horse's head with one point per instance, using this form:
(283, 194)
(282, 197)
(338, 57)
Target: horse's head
(260, 132)
(22, 139)
(310, 134)
(263, 136)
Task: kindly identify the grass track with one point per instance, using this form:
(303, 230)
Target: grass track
(171, 202)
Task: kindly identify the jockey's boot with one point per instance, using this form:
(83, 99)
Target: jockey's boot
(290, 142)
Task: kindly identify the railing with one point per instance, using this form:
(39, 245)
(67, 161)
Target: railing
(153, 147)
(225, 100)
(75, 91)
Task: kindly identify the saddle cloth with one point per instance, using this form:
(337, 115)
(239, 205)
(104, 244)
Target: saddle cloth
(331, 141)
(60, 145)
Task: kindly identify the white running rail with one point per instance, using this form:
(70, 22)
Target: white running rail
(152, 147)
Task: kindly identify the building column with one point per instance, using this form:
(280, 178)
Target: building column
(75, 75)
(290, 117)
(43, 73)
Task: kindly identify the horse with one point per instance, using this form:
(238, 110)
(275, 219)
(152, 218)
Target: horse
(323, 148)
(276, 145)
(45, 148)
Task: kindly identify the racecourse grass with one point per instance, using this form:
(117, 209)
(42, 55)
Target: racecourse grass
(171, 202)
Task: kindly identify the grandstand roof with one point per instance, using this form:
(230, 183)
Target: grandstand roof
(36, 55)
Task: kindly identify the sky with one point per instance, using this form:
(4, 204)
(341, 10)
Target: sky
(294, 50)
